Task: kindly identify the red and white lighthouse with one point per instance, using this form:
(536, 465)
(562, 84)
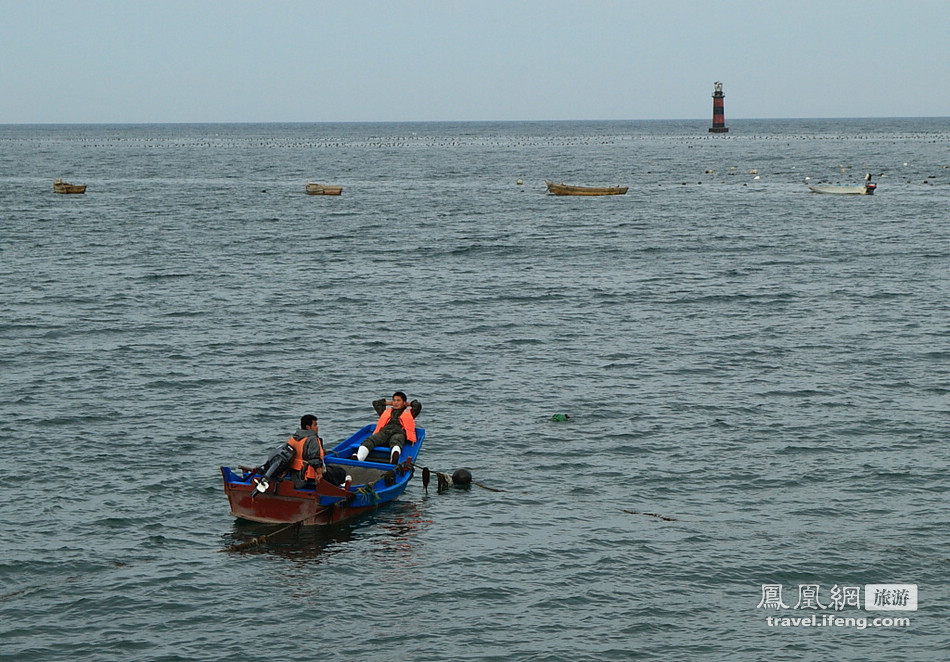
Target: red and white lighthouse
(719, 111)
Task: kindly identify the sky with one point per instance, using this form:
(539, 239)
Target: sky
(154, 61)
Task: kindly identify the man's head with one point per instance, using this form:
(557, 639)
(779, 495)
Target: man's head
(399, 399)
(308, 422)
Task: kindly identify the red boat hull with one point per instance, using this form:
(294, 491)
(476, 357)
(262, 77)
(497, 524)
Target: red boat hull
(291, 505)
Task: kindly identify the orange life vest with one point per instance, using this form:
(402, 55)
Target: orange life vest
(297, 463)
(406, 420)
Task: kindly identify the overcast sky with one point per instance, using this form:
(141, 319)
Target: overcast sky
(418, 60)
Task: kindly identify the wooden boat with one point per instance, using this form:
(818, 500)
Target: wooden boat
(867, 188)
(564, 189)
(320, 189)
(59, 186)
(375, 482)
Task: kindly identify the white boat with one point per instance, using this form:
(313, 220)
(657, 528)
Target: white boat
(867, 188)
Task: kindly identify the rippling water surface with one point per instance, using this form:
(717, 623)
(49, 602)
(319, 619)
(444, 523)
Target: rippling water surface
(757, 381)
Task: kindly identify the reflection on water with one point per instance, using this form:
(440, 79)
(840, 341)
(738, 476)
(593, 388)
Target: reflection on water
(401, 522)
(310, 543)
(402, 528)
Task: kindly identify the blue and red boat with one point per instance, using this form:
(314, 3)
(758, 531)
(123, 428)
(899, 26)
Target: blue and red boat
(257, 495)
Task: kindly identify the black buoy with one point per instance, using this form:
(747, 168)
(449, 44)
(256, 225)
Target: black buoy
(462, 477)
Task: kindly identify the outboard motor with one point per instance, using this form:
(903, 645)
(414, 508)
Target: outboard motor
(275, 465)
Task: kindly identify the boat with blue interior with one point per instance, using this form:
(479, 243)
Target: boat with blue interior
(269, 495)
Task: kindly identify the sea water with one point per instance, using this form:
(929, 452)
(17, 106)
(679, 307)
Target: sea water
(756, 379)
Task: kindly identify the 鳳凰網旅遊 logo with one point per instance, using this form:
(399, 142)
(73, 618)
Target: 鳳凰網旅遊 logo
(877, 597)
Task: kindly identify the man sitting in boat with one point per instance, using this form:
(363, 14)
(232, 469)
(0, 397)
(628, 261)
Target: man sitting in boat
(308, 464)
(396, 426)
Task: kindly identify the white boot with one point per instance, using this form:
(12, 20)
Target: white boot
(362, 453)
(394, 454)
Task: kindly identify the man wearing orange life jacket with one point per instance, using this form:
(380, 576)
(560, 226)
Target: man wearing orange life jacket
(308, 456)
(396, 426)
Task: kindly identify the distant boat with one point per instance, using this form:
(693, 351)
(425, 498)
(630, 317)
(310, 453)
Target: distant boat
(564, 189)
(320, 189)
(867, 188)
(59, 186)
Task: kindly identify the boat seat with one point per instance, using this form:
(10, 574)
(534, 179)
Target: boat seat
(379, 454)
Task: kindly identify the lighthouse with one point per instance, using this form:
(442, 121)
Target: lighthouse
(719, 111)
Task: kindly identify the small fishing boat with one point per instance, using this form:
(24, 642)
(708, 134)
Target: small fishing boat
(867, 188)
(59, 186)
(565, 189)
(321, 189)
(265, 494)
